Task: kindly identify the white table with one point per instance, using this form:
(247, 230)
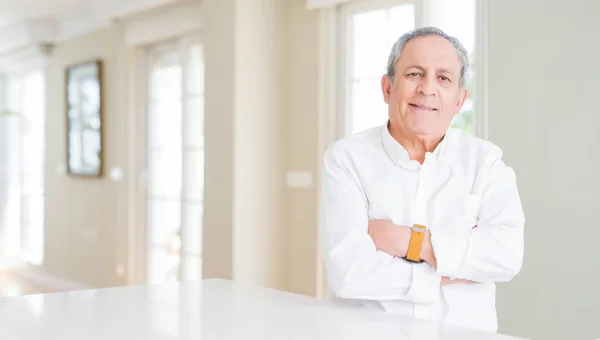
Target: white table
(211, 309)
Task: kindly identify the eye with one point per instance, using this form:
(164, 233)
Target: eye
(413, 74)
(445, 79)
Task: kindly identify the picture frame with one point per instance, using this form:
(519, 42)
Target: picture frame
(85, 130)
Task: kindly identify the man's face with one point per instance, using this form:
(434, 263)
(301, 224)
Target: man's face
(425, 94)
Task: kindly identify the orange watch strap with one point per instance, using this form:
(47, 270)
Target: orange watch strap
(416, 243)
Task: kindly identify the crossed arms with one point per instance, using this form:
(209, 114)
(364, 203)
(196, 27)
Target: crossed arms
(363, 257)
(394, 240)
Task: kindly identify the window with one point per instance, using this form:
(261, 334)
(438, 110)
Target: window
(175, 161)
(25, 98)
(367, 31)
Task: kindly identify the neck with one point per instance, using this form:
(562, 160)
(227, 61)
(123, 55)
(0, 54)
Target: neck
(416, 145)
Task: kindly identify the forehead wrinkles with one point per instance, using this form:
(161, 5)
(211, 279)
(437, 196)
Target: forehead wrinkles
(430, 53)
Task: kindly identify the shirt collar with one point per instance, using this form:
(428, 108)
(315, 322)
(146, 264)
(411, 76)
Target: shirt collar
(399, 155)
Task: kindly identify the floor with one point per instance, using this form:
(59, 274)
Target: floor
(12, 285)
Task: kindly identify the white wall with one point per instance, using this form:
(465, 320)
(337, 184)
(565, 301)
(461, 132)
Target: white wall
(258, 164)
(300, 114)
(219, 51)
(544, 94)
(85, 226)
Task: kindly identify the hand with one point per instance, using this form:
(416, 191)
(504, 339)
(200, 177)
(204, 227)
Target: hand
(390, 238)
(448, 281)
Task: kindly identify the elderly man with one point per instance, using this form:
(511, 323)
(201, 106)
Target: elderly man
(419, 218)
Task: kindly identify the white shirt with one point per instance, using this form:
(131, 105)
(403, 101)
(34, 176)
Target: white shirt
(465, 195)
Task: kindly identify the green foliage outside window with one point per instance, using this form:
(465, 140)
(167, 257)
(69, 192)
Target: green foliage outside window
(464, 120)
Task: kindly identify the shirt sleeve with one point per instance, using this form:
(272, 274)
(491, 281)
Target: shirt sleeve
(493, 250)
(355, 268)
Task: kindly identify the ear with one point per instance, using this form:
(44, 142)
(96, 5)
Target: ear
(462, 96)
(386, 88)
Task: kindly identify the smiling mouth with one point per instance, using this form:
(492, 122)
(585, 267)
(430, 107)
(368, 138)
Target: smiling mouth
(421, 107)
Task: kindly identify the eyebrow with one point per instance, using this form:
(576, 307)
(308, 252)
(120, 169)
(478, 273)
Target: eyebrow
(442, 70)
(414, 66)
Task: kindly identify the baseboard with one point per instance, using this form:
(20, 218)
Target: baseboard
(39, 277)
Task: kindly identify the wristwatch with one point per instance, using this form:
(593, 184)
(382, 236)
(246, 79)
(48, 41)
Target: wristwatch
(416, 243)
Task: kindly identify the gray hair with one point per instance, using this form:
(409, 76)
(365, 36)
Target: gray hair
(423, 32)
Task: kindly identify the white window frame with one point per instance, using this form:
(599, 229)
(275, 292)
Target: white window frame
(330, 105)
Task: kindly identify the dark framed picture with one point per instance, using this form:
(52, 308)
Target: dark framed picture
(84, 119)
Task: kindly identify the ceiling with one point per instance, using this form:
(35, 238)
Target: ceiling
(24, 22)
(15, 11)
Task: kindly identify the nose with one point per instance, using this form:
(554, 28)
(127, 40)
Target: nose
(427, 86)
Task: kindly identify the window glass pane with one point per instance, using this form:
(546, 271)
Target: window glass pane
(401, 20)
(11, 158)
(33, 183)
(25, 230)
(195, 79)
(192, 268)
(165, 124)
(88, 139)
(194, 125)
(464, 120)
(368, 47)
(25, 96)
(32, 208)
(192, 243)
(194, 174)
(164, 143)
(32, 155)
(36, 242)
(164, 173)
(166, 78)
(175, 142)
(165, 265)
(367, 108)
(13, 95)
(457, 18)
(32, 241)
(164, 222)
(11, 235)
